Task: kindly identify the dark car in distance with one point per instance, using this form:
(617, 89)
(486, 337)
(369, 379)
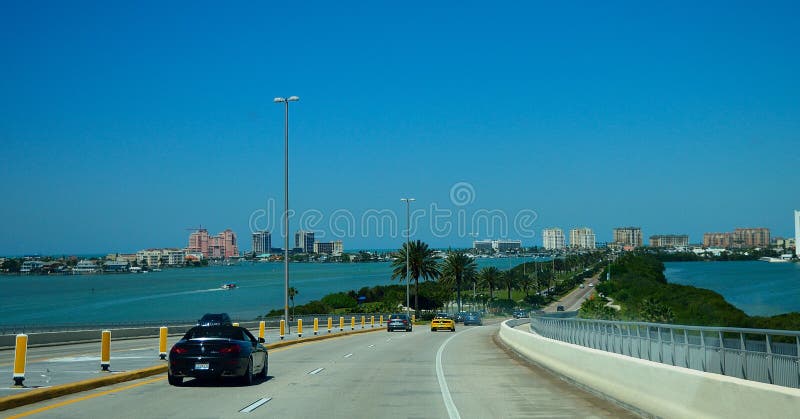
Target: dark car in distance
(520, 313)
(473, 317)
(215, 319)
(398, 322)
(218, 351)
(460, 316)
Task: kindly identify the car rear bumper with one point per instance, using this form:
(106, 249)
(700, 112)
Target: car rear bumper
(217, 367)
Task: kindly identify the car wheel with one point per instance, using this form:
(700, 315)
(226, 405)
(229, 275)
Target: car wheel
(453, 329)
(247, 378)
(173, 380)
(433, 330)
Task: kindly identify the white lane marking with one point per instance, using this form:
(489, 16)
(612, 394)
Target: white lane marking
(255, 405)
(389, 340)
(316, 371)
(452, 411)
(348, 355)
(371, 346)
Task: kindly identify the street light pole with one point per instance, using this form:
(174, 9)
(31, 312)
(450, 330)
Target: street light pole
(408, 202)
(286, 101)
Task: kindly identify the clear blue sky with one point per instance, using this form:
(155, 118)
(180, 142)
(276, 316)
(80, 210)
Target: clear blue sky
(123, 124)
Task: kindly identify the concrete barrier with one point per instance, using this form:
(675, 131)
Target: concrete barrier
(656, 389)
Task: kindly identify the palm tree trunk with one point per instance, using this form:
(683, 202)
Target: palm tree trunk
(416, 297)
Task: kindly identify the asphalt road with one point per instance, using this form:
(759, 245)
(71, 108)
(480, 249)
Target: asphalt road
(375, 375)
(61, 364)
(574, 299)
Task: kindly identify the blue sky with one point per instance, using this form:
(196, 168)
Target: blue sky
(123, 124)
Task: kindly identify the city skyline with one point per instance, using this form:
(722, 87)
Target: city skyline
(659, 116)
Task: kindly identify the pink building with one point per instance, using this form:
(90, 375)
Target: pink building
(221, 246)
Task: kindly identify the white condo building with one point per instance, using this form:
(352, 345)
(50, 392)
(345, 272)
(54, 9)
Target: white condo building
(797, 233)
(582, 238)
(553, 238)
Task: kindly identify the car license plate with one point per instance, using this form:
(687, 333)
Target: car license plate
(203, 366)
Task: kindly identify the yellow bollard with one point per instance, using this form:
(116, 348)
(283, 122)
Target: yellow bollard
(341, 324)
(299, 328)
(363, 321)
(236, 325)
(316, 326)
(413, 318)
(372, 321)
(330, 324)
(352, 323)
(261, 326)
(20, 359)
(283, 327)
(105, 350)
(162, 342)
(380, 323)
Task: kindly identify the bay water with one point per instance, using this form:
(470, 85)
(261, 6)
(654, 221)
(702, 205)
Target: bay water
(184, 293)
(757, 288)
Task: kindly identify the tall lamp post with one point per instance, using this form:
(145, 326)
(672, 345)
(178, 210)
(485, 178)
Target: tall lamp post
(408, 202)
(286, 205)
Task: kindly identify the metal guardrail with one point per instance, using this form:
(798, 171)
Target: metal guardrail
(764, 355)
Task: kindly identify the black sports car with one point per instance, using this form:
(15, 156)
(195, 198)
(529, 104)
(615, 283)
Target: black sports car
(218, 351)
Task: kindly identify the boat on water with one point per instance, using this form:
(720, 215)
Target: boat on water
(228, 286)
(773, 260)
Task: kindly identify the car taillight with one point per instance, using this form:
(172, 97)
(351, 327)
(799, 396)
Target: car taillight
(405, 321)
(233, 349)
(178, 350)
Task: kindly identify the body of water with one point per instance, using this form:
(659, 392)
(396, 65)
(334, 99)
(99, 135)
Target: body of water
(757, 288)
(184, 294)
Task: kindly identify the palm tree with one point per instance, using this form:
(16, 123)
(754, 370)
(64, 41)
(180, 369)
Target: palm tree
(526, 283)
(508, 280)
(489, 277)
(292, 292)
(457, 269)
(421, 264)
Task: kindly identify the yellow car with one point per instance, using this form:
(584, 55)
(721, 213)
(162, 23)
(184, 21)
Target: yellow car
(443, 322)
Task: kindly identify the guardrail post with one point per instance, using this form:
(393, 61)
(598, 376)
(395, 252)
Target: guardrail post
(770, 360)
(743, 354)
(380, 322)
(20, 359)
(688, 348)
(262, 325)
(236, 324)
(162, 342)
(372, 322)
(282, 328)
(105, 350)
(299, 328)
(341, 324)
(330, 324)
(363, 321)
(316, 326)
(721, 354)
(660, 345)
(672, 342)
(352, 322)
(703, 349)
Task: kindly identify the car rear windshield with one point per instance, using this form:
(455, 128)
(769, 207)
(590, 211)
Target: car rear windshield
(234, 333)
(398, 316)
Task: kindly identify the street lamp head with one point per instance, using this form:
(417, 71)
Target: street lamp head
(407, 199)
(279, 100)
(293, 99)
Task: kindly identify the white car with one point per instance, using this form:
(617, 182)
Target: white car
(591, 285)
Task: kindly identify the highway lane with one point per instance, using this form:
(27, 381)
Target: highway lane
(371, 375)
(60, 364)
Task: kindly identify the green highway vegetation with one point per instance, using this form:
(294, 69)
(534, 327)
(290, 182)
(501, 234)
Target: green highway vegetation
(454, 283)
(638, 286)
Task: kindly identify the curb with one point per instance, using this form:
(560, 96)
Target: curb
(34, 396)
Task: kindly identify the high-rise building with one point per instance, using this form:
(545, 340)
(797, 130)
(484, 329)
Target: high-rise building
(582, 238)
(262, 242)
(669, 240)
(628, 236)
(221, 246)
(506, 245)
(751, 237)
(797, 233)
(553, 238)
(482, 245)
(723, 240)
(304, 240)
